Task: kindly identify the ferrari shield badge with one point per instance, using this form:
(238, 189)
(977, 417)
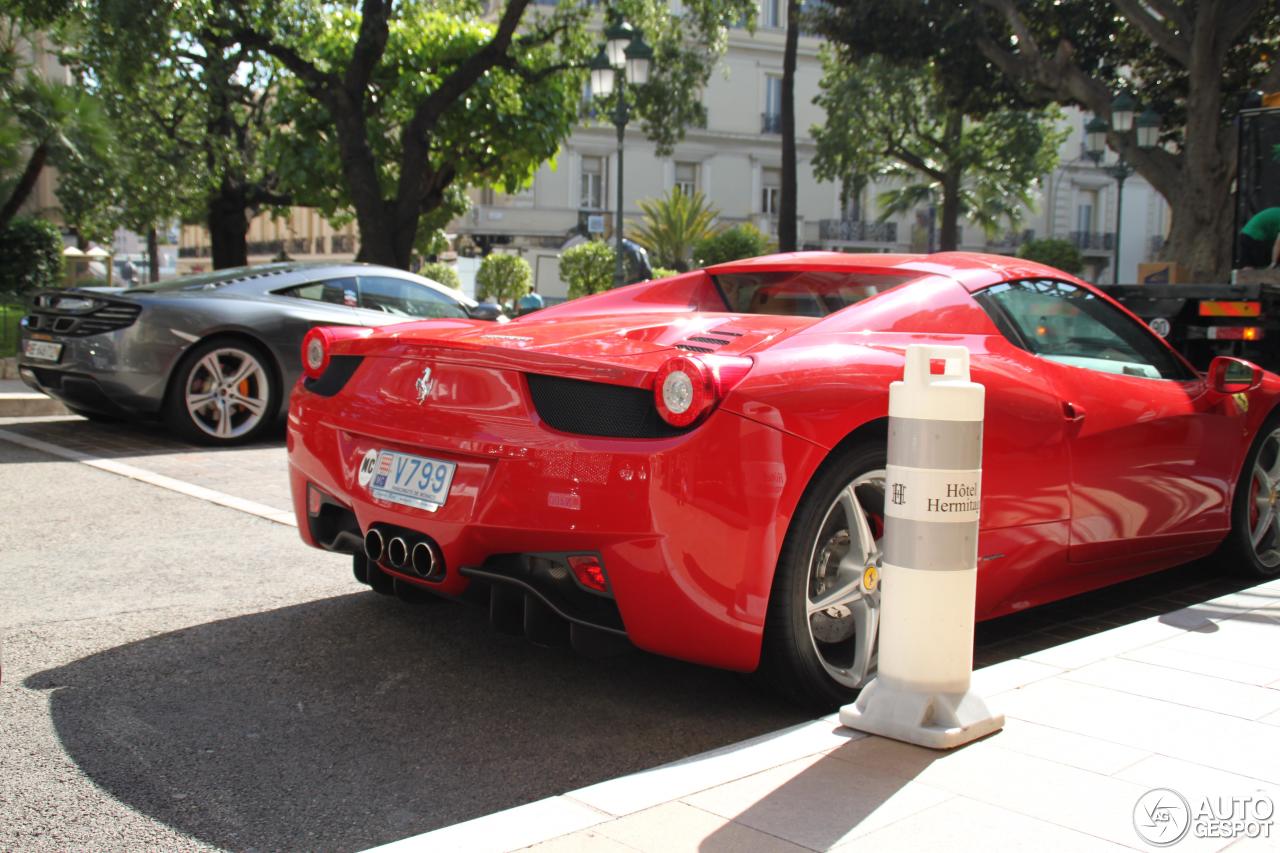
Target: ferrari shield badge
(424, 385)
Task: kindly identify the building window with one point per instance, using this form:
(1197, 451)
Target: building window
(774, 14)
(771, 121)
(771, 191)
(687, 178)
(592, 183)
(1085, 207)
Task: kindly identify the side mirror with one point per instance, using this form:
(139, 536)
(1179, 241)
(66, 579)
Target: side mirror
(1229, 375)
(485, 311)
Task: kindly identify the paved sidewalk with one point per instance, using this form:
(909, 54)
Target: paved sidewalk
(1187, 701)
(17, 400)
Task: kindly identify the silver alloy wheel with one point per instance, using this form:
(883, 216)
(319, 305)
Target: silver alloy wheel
(1264, 495)
(842, 615)
(227, 393)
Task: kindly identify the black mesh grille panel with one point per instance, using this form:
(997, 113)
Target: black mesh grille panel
(341, 368)
(108, 318)
(595, 408)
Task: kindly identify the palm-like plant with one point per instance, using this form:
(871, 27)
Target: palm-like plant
(673, 225)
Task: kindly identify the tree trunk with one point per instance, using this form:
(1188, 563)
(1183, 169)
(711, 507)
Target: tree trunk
(228, 224)
(787, 238)
(1197, 179)
(949, 238)
(949, 235)
(153, 255)
(26, 183)
(1200, 234)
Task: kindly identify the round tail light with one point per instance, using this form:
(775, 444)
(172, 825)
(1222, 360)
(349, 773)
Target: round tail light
(684, 390)
(315, 353)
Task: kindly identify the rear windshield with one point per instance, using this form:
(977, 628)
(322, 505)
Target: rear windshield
(802, 294)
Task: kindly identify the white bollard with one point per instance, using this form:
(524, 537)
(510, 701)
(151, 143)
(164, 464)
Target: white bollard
(920, 693)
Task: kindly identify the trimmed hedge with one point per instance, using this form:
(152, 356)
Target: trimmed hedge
(441, 273)
(30, 256)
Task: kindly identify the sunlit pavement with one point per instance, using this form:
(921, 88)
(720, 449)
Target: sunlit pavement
(187, 674)
(1164, 731)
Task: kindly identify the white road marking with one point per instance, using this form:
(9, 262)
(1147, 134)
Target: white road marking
(143, 476)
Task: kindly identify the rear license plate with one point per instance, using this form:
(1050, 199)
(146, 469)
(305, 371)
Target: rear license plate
(415, 481)
(42, 350)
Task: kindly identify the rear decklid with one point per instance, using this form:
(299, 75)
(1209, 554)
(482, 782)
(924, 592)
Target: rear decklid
(624, 349)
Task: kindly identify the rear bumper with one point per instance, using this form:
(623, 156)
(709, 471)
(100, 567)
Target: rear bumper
(120, 373)
(688, 528)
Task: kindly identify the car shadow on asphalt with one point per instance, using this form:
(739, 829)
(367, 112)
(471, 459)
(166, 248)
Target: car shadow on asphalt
(122, 439)
(357, 720)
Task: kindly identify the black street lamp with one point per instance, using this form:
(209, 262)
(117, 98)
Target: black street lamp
(623, 60)
(1122, 121)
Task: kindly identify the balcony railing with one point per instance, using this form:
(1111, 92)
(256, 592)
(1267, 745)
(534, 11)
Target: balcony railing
(1010, 240)
(771, 122)
(266, 247)
(342, 244)
(1097, 241)
(857, 231)
(194, 252)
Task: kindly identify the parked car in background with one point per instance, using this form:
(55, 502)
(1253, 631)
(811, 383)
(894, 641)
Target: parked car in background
(698, 463)
(214, 355)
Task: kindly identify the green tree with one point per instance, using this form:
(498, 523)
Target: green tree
(442, 273)
(1191, 61)
(731, 244)
(896, 122)
(587, 267)
(44, 124)
(1060, 254)
(673, 225)
(30, 256)
(189, 108)
(503, 278)
(397, 108)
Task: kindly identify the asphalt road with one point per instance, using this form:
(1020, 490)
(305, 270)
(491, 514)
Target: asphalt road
(182, 675)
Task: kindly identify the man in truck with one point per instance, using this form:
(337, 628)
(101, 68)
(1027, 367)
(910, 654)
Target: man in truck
(1260, 239)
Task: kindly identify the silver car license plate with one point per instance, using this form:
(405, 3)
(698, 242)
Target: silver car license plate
(416, 481)
(42, 350)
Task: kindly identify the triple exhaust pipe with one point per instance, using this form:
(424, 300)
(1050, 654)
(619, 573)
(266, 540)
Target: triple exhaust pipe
(416, 556)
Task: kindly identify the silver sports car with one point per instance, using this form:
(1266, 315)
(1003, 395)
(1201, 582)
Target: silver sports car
(214, 354)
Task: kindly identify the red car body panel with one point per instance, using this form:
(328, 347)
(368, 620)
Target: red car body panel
(1088, 479)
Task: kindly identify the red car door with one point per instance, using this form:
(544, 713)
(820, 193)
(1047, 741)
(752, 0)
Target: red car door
(1150, 448)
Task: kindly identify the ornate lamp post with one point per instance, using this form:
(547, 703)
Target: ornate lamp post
(1122, 121)
(623, 60)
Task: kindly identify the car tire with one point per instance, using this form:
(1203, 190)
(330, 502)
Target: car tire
(820, 658)
(224, 391)
(1252, 547)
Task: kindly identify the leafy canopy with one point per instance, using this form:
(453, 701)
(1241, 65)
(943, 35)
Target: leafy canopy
(30, 256)
(673, 225)
(894, 122)
(740, 241)
(588, 267)
(503, 278)
(1060, 254)
(441, 273)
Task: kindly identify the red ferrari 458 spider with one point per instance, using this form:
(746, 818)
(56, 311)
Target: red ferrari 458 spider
(697, 463)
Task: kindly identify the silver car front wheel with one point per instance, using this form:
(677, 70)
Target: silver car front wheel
(224, 394)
